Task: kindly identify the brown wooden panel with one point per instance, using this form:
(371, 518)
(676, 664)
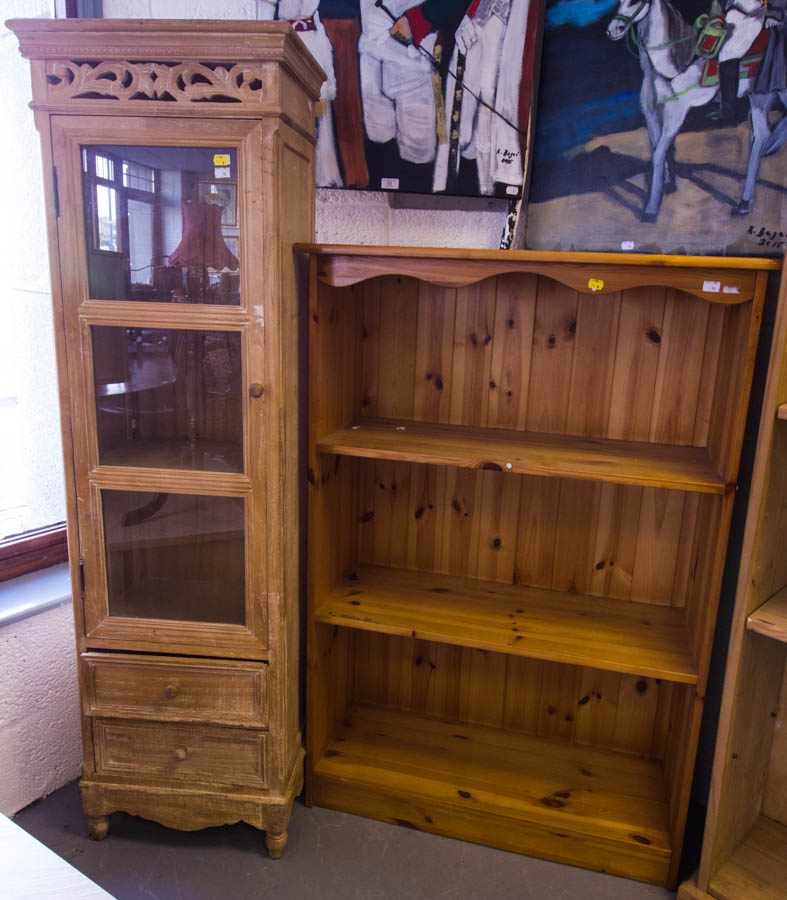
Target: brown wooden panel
(398, 323)
(511, 347)
(550, 364)
(538, 513)
(594, 357)
(497, 531)
(138, 750)
(434, 353)
(636, 363)
(616, 541)
(575, 536)
(386, 495)
(482, 687)
(679, 373)
(659, 531)
(474, 326)
(427, 501)
(369, 374)
(710, 365)
(174, 689)
(597, 707)
(636, 713)
(774, 801)
(559, 694)
(521, 711)
(460, 523)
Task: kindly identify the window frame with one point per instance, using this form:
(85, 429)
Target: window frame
(29, 551)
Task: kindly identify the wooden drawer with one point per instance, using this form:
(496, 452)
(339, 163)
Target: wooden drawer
(145, 687)
(211, 754)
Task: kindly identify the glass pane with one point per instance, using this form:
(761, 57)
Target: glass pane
(140, 240)
(107, 215)
(175, 556)
(162, 223)
(168, 398)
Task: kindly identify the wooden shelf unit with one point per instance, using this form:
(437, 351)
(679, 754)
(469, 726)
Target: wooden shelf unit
(771, 618)
(543, 624)
(520, 491)
(468, 779)
(549, 455)
(744, 851)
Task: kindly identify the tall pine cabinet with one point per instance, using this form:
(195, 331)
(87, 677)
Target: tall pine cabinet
(744, 851)
(522, 467)
(179, 169)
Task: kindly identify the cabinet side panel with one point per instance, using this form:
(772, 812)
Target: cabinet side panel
(707, 565)
(736, 800)
(774, 804)
(679, 767)
(294, 183)
(334, 361)
(733, 381)
(769, 565)
(755, 663)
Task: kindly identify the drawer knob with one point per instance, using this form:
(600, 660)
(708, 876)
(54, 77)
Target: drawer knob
(171, 691)
(256, 390)
(181, 753)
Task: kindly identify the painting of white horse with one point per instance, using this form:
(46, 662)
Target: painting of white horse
(675, 128)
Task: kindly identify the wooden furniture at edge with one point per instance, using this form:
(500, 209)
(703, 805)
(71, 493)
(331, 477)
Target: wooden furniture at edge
(186, 605)
(744, 851)
(521, 472)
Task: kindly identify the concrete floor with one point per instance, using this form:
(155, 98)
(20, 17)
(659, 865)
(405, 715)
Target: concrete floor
(330, 856)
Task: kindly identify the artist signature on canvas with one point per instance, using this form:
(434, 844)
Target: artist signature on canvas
(773, 240)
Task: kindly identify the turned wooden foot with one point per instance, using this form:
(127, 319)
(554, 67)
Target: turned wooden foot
(275, 843)
(98, 826)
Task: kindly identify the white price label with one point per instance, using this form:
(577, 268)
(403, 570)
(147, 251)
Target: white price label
(389, 184)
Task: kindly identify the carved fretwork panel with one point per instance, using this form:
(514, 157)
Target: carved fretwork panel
(186, 82)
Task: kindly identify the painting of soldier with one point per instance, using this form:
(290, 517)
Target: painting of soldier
(662, 122)
(430, 97)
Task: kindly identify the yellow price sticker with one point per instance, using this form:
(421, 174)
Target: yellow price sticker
(595, 284)
(221, 159)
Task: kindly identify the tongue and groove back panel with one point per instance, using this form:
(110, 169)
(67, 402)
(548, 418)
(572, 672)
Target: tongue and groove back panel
(418, 391)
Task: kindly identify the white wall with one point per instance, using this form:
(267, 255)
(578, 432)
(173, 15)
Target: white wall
(40, 740)
(40, 744)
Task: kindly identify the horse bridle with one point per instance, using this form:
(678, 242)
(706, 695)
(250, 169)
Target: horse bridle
(631, 38)
(628, 21)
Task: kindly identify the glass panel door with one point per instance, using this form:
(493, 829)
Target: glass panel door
(169, 358)
(168, 398)
(161, 223)
(175, 556)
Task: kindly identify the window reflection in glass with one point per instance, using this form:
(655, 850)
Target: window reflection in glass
(175, 556)
(162, 224)
(168, 398)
